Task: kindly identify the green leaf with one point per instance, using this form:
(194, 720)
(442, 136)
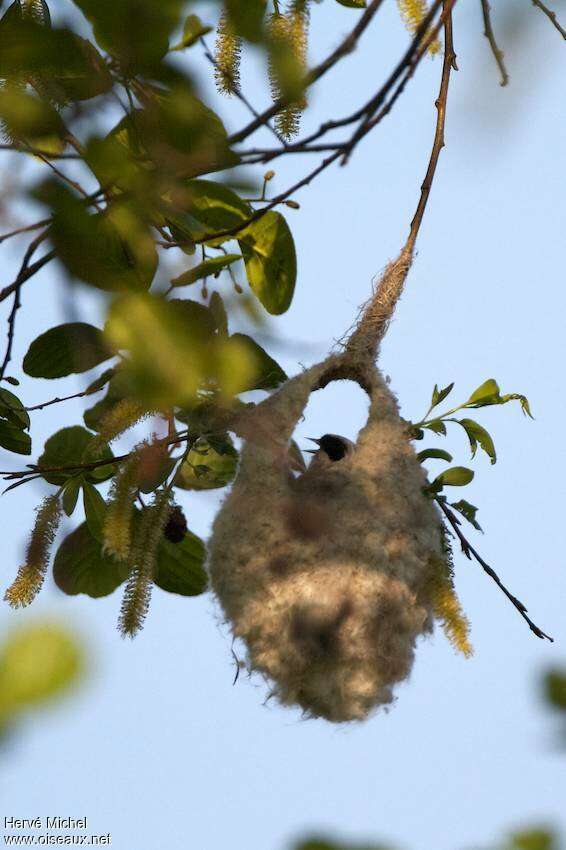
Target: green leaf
(271, 261)
(486, 394)
(37, 663)
(353, 4)
(135, 31)
(208, 467)
(65, 350)
(68, 447)
(100, 382)
(477, 434)
(63, 66)
(523, 401)
(27, 118)
(13, 410)
(247, 17)
(434, 454)
(81, 567)
(71, 494)
(266, 373)
(193, 30)
(180, 566)
(468, 511)
(111, 250)
(95, 510)
(170, 347)
(14, 439)
(456, 476)
(178, 134)
(212, 266)
(439, 395)
(437, 425)
(216, 207)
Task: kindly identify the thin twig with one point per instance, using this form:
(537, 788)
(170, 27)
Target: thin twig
(24, 229)
(30, 271)
(32, 248)
(58, 400)
(495, 49)
(551, 16)
(470, 552)
(33, 469)
(448, 65)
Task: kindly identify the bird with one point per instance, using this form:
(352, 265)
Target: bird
(332, 448)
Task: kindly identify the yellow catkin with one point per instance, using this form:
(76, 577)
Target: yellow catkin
(137, 594)
(287, 63)
(118, 518)
(124, 415)
(446, 608)
(31, 574)
(413, 13)
(228, 53)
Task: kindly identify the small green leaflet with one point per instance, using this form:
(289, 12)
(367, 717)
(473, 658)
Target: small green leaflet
(212, 266)
(95, 510)
(193, 30)
(456, 476)
(489, 393)
(353, 4)
(71, 494)
(13, 410)
(437, 425)
(434, 454)
(14, 439)
(477, 434)
(468, 511)
(439, 395)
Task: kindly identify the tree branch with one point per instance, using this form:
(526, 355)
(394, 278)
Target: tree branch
(17, 285)
(470, 552)
(448, 65)
(551, 16)
(490, 35)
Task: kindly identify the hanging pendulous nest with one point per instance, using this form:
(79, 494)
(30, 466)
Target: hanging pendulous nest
(326, 577)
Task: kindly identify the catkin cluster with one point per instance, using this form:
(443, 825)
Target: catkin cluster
(327, 577)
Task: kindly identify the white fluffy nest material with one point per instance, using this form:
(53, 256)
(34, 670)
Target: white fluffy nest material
(324, 577)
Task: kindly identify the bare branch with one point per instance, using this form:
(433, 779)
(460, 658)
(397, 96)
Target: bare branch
(551, 16)
(470, 552)
(17, 285)
(29, 272)
(448, 65)
(490, 35)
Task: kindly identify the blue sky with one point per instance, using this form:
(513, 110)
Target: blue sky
(158, 748)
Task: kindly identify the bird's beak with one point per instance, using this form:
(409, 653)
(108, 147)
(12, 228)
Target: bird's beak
(312, 451)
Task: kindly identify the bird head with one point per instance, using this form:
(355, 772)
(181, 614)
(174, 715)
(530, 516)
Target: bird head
(333, 446)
